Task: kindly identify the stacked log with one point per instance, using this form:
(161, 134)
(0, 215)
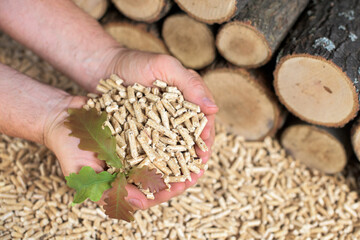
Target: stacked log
(247, 104)
(95, 8)
(143, 10)
(317, 74)
(355, 138)
(255, 33)
(212, 11)
(138, 36)
(325, 149)
(189, 41)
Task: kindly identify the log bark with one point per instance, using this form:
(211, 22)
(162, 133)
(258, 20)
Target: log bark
(256, 32)
(138, 36)
(189, 41)
(245, 100)
(325, 149)
(143, 10)
(95, 8)
(316, 77)
(211, 11)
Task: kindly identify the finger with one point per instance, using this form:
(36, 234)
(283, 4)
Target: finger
(164, 196)
(189, 82)
(194, 179)
(206, 133)
(205, 156)
(136, 198)
(175, 190)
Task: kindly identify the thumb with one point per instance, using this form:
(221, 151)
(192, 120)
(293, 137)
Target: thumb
(169, 69)
(196, 91)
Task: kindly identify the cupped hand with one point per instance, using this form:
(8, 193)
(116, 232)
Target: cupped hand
(144, 68)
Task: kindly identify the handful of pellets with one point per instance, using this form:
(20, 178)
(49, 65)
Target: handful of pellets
(153, 126)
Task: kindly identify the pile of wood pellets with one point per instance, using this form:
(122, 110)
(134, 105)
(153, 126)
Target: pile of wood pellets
(251, 190)
(139, 117)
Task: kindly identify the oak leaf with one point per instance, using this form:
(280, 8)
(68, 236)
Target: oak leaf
(116, 205)
(89, 184)
(148, 178)
(88, 127)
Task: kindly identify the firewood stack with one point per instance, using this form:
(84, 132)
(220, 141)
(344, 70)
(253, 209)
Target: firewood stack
(261, 59)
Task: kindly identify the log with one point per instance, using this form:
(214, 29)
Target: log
(211, 11)
(355, 138)
(139, 36)
(256, 32)
(95, 8)
(143, 10)
(245, 101)
(316, 77)
(325, 149)
(189, 41)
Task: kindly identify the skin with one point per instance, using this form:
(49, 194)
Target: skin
(75, 44)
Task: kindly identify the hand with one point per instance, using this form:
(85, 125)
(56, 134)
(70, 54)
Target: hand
(144, 68)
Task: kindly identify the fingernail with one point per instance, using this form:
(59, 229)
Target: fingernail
(136, 203)
(208, 102)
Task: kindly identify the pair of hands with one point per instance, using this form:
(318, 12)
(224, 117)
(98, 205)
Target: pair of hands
(132, 66)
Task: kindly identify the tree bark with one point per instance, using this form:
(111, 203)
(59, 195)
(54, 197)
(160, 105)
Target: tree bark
(211, 11)
(189, 41)
(256, 32)
(245, 100)
(319, 61)
(95, 8)
(325, 149)
(146, 11)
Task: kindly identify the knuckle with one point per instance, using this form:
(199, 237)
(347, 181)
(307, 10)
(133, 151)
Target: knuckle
(195, 81)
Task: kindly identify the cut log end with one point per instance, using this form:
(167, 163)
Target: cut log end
(134, 37)
(243, 45)
(243, 102)
(315, 147)
(142, 10)
(355, 139)
(189, 41)
(315, 90)
(95, 8)
(209, 11)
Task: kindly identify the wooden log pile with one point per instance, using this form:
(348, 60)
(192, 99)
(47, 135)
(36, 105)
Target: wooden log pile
(262, 59)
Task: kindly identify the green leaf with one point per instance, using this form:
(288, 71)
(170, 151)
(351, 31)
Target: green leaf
(149, 179)
(116, 205)
(89, 184)
(88, 127)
